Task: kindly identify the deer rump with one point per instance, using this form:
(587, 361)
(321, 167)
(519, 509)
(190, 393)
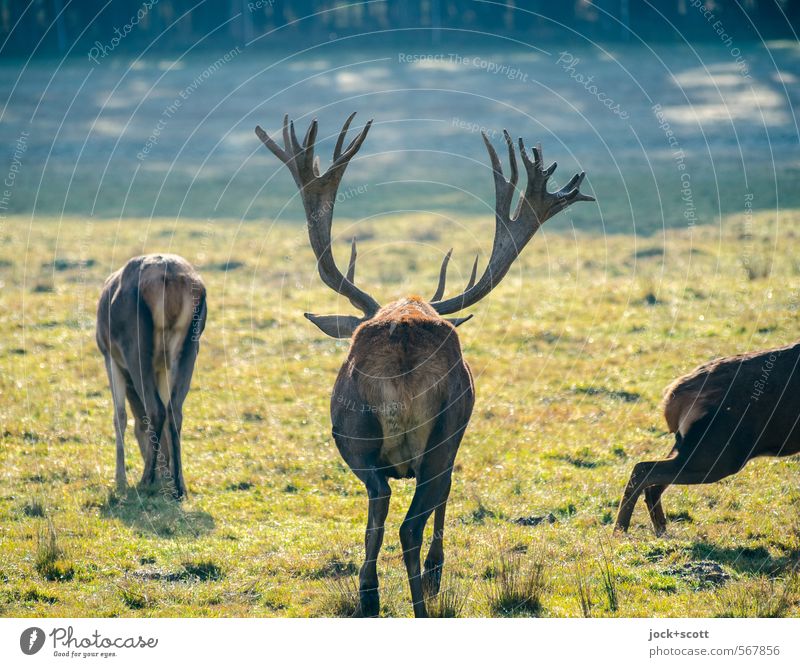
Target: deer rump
(403, 376)
(169, 296)
(750, 398)
(167, 290)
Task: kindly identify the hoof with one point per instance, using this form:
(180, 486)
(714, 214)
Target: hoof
(370, 603)
(659, 530)
(619, 530)
(432, 578)
(146, 488)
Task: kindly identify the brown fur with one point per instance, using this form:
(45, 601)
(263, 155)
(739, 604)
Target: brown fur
(168, 284)
(149, 319)
(724, 413)
(402, 357)
(400, 406)
(729, 380)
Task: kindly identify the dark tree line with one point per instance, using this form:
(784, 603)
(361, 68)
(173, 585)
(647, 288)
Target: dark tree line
(53, 26)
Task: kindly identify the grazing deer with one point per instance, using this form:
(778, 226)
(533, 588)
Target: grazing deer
(404, 396)
(723, 414)
(149, 320)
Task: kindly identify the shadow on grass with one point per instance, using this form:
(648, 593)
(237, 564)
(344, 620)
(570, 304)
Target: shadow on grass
(746, 560)
(157, 515)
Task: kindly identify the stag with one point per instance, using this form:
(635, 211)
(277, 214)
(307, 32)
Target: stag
(404, 395)
(724, 413)
(150, 317)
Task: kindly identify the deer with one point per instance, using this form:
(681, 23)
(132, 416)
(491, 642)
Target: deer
(723, 413)
(150, 317)
(403, 397)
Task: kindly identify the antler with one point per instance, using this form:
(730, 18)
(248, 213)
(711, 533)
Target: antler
(511, 234)
(318, 192)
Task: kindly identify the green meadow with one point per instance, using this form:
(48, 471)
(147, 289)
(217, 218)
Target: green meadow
(570, 356)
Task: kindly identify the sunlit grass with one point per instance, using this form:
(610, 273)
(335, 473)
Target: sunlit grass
(570, 355)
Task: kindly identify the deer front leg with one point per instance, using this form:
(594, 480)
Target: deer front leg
(379, 493)
(116, 378)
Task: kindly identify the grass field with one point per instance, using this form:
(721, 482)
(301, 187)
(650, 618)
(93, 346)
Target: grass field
(570, 356)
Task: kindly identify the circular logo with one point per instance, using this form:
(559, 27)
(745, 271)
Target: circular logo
(31, 640)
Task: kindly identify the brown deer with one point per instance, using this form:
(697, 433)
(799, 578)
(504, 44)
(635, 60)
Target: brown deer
(404, 395)
(150, 317)
(724, 413)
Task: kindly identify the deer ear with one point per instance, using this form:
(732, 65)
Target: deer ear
(458, 321)
(335, 326)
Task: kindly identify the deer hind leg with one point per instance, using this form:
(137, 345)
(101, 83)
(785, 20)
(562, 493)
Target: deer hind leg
(116, 378)
(379, 493)
(140, 419)
(139, 361)
(181, 374)
(434, 562)
(431, 492)
(657, 475)
(652, 498)
(358, 438)
(644, 475)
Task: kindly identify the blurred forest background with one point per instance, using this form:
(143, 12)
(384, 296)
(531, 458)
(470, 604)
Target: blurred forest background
(680, 111)
(56, 25)
(127, 127)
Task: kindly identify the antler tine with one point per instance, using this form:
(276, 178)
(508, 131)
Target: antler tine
(318, 192)
(352, 149)
(287, 139)
(296, 147)
(574, 182)
(269, 143)
(442, 277)
(512, 159)
(340, 141)
(512, 234)
(503, 188)
(497, 167)
(311, 135)
(473, 275)
(351, 267)
(573, 188)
